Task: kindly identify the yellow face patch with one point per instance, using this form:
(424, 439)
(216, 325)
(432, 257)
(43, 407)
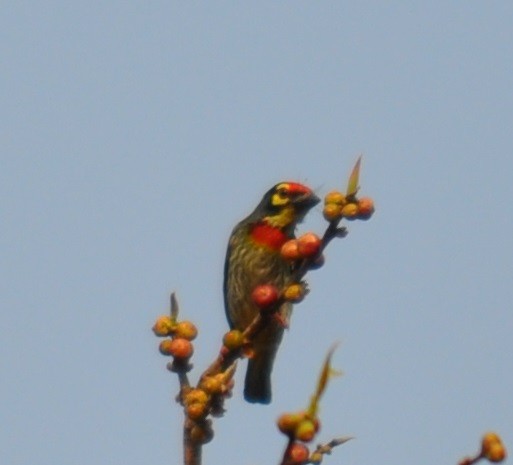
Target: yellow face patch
(282, 219)
(281, 197)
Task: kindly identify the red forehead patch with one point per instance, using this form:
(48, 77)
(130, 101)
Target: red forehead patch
(296, 188)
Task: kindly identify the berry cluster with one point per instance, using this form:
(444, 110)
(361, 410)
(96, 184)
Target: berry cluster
(208, 396)
(180, 334)
(267, 296)
(299, 427)
(338, 206)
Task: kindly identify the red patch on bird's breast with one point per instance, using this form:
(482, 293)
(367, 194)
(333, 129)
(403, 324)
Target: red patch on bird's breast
(269, 236)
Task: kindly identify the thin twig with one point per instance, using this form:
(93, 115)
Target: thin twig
(325, 449)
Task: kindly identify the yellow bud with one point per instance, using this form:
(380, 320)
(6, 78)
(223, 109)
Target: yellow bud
(294, 293)
(497, 453)
(492, 447)
(489, 439)
(195, 396)
(186, 329)
(332, 212)
(350, 211)
(335, 197)
(166, 347)
(164, 326)
(196, 411)
(233, 339)
(212, 384)
(305, 431)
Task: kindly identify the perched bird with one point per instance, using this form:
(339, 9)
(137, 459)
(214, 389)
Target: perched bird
(252, 259)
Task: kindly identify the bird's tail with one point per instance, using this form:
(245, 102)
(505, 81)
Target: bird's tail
(257, 386)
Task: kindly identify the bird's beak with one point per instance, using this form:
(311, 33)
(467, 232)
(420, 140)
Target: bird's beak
(306, 201)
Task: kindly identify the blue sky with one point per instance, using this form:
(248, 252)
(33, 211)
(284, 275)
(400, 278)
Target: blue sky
(134, 135)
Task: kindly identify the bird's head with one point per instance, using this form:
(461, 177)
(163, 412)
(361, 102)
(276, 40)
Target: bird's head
(285, 205)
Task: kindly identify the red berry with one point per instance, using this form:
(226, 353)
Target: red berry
(309, 245)
(298, 453)
(181, 348)
(265, 295)
(365, 208)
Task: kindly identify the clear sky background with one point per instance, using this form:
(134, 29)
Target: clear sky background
(134, 135)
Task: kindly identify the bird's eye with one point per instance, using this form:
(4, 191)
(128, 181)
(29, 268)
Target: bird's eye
(283, 193)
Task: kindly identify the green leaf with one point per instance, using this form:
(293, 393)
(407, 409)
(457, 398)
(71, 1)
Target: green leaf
(327, 372)
(354, 178)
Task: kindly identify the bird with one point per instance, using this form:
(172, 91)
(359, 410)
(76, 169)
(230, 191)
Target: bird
(252, 259)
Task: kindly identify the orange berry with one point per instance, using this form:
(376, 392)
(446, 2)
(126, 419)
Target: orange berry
(165, 347)
(497, 453)
(186, 329)
(265, 296)
(335, 197)
(309, 245)
(163, 326)
(288, 422)
(195, 396)
(290, 250)
(196, 411)
(332, 212)
(365, 208)
(489, 439)
(181, 348)
(294, 293)
(298, 453)
(492, 447)
(305, 431)
(350, 211)
(233, 339)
